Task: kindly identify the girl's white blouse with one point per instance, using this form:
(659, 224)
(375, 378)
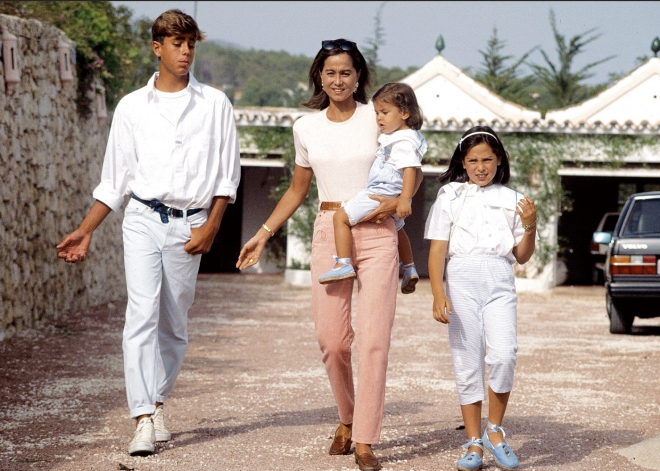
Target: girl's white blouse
(484, 219)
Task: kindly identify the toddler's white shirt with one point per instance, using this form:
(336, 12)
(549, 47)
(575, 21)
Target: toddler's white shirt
(486, 224)
(402, 149)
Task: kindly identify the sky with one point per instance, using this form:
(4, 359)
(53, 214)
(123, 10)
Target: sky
(412, 28)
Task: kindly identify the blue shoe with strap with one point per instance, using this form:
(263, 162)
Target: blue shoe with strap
(502, 452)
(344, 272)
(471, 460)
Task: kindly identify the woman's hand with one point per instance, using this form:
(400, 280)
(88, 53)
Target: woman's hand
(251, 252)
(441, 308)
(385, 209)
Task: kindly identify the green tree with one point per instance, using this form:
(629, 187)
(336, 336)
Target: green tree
(564, 86)
(108, 43)
(374, 43)
(502, 77)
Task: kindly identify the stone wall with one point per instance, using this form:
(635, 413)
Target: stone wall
(50, 161)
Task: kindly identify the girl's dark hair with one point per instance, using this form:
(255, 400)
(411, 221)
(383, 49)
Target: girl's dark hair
(456, 172)
(319, 99)
(403, 97)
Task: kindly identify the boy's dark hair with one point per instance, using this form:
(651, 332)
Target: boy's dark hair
(319, 99)
(403, 97)
(175, 23)
(456, 173)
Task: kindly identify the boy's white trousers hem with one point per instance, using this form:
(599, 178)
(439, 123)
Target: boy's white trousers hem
(160, 281)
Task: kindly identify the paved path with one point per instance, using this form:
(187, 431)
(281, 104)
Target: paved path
(253, 394)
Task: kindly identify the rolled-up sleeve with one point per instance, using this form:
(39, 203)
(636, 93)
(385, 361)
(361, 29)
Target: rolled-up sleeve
(229, 173)
(119, 163)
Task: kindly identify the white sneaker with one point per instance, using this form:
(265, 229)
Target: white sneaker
(162, 435)
(144, 440)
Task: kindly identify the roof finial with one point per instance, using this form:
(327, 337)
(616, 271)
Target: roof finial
(655, 46)
(440, 44)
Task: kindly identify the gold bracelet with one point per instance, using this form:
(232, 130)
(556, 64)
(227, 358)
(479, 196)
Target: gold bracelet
(272, 234)
(528, 227)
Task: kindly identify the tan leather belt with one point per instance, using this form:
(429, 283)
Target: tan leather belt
(330, 205)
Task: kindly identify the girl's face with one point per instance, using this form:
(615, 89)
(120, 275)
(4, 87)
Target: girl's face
(389, 117)
(481, 164)
(339, 77)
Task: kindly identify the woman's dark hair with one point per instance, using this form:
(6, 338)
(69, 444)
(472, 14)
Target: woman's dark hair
(319, 99)
(403, 97)
(473, 137)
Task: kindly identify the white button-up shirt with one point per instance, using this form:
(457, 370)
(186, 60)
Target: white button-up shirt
(476, 220)
(184, 164)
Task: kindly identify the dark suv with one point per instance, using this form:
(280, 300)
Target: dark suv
(632, 267)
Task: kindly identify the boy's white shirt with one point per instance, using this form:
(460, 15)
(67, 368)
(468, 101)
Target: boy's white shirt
(184, 163)
(485, 219)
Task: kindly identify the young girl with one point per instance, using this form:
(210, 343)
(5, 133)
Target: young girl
(482, 227)
(393, 172)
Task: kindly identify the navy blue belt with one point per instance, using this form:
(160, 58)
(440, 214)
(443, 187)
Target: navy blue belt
(165, 211)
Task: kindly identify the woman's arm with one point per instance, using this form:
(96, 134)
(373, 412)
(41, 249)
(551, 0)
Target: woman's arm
(525, 248)
(387, 206)
(290, 201)
(441, 305)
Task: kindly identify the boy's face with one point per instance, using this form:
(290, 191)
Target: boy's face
(176, 54)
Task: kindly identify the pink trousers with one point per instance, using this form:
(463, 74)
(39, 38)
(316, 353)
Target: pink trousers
(375, 258)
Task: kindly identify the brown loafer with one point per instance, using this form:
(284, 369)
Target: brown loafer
(367, 461)
(341, 445)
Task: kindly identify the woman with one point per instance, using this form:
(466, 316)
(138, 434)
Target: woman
(338, 145)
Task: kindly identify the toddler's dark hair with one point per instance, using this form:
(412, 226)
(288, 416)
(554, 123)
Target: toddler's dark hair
(403, 97)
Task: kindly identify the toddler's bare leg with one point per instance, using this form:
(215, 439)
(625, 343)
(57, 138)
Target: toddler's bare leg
(343, 236)
(405, 250)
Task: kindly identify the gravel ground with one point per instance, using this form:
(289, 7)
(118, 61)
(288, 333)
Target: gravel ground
(253, 393)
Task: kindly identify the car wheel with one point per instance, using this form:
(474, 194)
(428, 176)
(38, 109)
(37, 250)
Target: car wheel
(621, 321)
(597, 277)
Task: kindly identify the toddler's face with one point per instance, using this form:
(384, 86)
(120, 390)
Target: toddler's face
(480, 163)
(389, 117)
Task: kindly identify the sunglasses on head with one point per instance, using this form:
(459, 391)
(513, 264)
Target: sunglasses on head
(330, 44)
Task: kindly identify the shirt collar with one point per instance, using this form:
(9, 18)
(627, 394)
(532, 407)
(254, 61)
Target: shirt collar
(193, 84)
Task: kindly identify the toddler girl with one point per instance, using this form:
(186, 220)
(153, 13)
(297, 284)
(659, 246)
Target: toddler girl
(393, 173)
(482, 228)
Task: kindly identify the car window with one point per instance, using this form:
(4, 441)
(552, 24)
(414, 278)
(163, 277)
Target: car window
(610, 222)
(644, 218)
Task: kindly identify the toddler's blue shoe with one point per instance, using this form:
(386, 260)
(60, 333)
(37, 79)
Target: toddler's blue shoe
(502, 452)
(333, 275)
(471, 460)
(409, 277)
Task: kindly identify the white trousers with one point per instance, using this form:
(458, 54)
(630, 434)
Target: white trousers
(160, 280)
(482, 328)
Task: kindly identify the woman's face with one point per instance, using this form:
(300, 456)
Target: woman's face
(339, 77)
(480, 163)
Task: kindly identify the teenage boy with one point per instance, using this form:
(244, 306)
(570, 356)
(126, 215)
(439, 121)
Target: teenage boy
(173, 148)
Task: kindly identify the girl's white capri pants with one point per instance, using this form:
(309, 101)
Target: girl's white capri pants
(482, 327)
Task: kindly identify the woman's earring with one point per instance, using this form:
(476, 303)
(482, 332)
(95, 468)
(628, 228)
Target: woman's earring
(357, 85)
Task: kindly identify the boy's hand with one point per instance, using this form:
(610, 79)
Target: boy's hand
(201, 240)
(403, 208)
(441, 308)
(74, 247)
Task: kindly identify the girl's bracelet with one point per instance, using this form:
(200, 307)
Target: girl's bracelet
(272, 234)
(528, 227)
